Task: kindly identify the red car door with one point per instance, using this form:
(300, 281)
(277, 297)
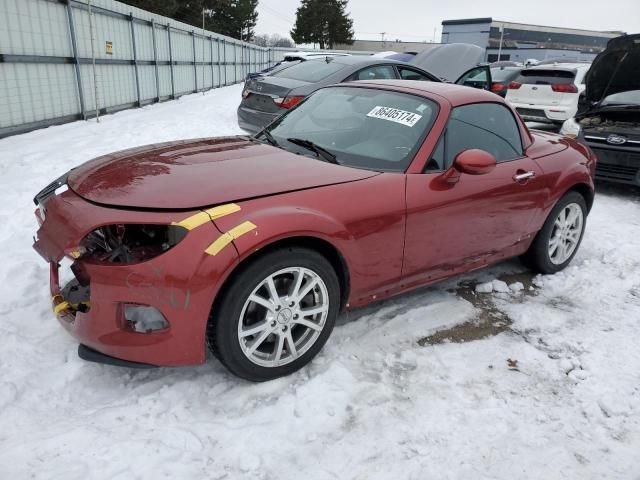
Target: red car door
(454, 227)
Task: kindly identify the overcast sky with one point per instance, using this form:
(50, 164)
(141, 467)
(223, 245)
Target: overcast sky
(415, 20)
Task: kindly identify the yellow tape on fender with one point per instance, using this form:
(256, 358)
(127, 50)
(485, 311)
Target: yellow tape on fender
(226, 238)
(194, 221)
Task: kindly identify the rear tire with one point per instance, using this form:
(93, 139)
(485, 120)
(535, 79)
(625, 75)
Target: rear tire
(276, 314)
(558, 241)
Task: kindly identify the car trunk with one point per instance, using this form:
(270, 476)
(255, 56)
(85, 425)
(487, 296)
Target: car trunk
(536, 88)
(438, 60)
(260, 92)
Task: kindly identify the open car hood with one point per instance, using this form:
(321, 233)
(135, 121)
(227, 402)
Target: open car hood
(196, 173)
(449, 61)
(615, 69)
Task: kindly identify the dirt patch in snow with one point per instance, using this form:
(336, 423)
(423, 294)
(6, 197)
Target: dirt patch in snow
(490, 320)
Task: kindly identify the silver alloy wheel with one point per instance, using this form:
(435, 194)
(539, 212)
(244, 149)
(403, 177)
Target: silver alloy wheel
(566, 233)
(283, 316)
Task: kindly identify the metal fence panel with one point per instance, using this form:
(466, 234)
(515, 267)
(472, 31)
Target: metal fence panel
(46, 56)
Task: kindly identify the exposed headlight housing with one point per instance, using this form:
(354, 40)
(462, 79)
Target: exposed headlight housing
(570, 128)
(128, 243)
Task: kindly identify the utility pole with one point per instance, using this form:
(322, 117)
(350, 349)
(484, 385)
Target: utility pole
(501, 37)
(382, 34)
(93, 62)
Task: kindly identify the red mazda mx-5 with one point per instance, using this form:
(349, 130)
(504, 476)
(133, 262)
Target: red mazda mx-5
(253, 245)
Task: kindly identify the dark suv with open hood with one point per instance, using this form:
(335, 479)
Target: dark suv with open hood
(608, 118)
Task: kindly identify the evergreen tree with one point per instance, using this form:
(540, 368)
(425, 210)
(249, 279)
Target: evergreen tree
(324, 22)
(233, 18)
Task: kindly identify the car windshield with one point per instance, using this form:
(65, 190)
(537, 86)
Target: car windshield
(502, 74)
(311, 71)
(362, 127)
(632, 97)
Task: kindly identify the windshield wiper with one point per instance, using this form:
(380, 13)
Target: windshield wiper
(319, 151)
(269, 137)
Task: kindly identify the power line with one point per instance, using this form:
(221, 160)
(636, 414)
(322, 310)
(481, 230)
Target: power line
(276, 13)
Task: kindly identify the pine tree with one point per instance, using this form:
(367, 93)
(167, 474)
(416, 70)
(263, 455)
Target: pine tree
(233, 18)
(324, 22)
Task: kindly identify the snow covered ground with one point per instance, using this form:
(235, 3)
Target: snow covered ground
(556, 395)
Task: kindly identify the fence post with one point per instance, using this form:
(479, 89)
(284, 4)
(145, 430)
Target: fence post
(155, 58)
(224, 51)
(195, 67)
(135, 55)
(211, 57)
(219, 67)
(76, 64)
(173, 86)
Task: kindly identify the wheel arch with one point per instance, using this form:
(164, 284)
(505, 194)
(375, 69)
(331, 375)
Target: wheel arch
(586, 191)
(320, 245)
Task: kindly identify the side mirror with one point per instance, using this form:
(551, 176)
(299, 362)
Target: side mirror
(474, 162)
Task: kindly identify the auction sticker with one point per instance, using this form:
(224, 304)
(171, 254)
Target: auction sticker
(402, 117)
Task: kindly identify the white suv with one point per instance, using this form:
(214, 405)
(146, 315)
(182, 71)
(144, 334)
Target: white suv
(548, 93)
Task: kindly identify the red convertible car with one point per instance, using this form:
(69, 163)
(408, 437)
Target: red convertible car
(253, 245)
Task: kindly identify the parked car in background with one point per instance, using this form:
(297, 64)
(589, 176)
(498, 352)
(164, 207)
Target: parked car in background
(253, 245)
(265, 98)
(608, 120)
(501, 77)
(402, 57)
(293, 58)
(548, 93)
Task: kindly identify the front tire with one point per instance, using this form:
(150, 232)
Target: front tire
(276, 314)
(558, 241)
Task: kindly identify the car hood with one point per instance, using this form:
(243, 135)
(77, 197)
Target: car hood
(196, 173)
(614, 70)
(438, 60)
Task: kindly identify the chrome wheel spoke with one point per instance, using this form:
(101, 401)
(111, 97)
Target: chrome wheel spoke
(307, 288)
(297, 283)
(254, 329)
(279, 347)
(259, 341)
(273, 292)
(573, 236)
(308, 324)
(313, 311)
(262, 302)
(291, 345)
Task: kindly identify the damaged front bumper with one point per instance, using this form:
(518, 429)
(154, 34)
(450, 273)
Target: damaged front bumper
(180, 284)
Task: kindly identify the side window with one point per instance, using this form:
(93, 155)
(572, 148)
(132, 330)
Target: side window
(409, 74)
(487, 126)
(377, 72)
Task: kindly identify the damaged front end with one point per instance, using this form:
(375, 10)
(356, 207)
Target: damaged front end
(614, 137)
(128, 283)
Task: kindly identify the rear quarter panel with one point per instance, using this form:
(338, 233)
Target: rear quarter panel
(565, 164)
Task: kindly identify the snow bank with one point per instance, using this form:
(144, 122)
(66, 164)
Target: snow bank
(373, 405)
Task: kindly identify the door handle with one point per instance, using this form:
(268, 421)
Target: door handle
(524, 176)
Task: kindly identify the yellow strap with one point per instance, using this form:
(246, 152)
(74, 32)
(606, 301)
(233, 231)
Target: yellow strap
(226, 238)
(57, 309)
(201, 218)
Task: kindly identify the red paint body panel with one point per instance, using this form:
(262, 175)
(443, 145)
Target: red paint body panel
(197, 173)
(394, 231)
(363, 220)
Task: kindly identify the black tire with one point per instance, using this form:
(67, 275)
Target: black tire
(537, 258)
(222, 329)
